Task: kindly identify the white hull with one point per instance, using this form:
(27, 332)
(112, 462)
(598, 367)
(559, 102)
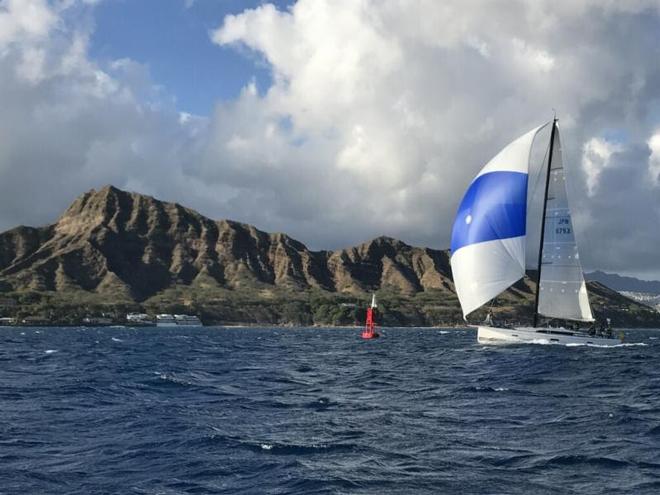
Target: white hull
(529, 335)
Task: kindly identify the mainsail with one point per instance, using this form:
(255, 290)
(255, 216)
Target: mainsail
(562, 290)
(488, 237)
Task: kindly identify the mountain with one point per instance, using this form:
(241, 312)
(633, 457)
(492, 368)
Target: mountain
(136, 246)
(114, 251)
(629, 284)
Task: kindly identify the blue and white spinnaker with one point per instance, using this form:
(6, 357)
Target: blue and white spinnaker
(488, 237)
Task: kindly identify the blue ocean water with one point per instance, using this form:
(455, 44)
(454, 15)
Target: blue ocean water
(264, 410)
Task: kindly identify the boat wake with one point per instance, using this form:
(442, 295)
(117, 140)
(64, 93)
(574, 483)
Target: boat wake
(579, 344)
(623, 344)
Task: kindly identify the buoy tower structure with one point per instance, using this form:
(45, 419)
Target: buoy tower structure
(369, 331)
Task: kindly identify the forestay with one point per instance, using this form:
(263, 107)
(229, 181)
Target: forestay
(563, 292)
(488, 236)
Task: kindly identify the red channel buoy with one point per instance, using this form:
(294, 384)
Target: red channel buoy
(369, 331)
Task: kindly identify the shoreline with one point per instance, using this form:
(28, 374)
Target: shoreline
(279, 327)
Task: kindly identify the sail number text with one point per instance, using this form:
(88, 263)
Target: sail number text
(563, 226)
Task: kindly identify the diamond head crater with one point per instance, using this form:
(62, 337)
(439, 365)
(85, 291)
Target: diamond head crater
(114, 252)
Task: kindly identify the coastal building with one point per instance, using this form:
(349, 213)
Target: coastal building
(187, 321)
(139, 320)
(97, 321)
(165, 320)
(169, 320)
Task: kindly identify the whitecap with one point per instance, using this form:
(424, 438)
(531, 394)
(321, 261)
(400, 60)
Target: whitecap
(266, 446)
(50, 351)
(116, 339)
(501, 389)
(601, 346)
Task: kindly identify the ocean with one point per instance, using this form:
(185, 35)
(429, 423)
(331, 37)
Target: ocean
(318, 410)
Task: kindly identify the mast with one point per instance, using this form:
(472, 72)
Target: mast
(545, 205)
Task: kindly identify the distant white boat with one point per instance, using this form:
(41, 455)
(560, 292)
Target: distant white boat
(489, 243)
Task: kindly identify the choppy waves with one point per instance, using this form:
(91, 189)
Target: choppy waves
(321, 411)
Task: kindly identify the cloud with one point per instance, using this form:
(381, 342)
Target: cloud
(411, 102)
(654, 159)
(596, 154)
(68, 124)
(22, 20)
(624, 213)
(377, 118)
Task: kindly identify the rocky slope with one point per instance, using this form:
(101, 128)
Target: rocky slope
(627, 284)
(115, 249)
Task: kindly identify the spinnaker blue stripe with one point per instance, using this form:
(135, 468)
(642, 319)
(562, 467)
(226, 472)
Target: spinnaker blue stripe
(494, 207)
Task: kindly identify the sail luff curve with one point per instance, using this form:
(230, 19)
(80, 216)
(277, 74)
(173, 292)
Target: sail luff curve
(488, 236)
(562, 289)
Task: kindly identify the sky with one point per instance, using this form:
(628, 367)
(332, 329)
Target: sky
(334, 121)
(171, 37)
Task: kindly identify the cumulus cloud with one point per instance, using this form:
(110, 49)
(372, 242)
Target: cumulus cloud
(377, 118)
(410, 102)
(68, 124)
(596, 154)
(24, 20)
(654, 159)
(623, 229)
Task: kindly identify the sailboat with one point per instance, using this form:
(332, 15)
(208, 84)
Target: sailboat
(489, 243)
(369, 331)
